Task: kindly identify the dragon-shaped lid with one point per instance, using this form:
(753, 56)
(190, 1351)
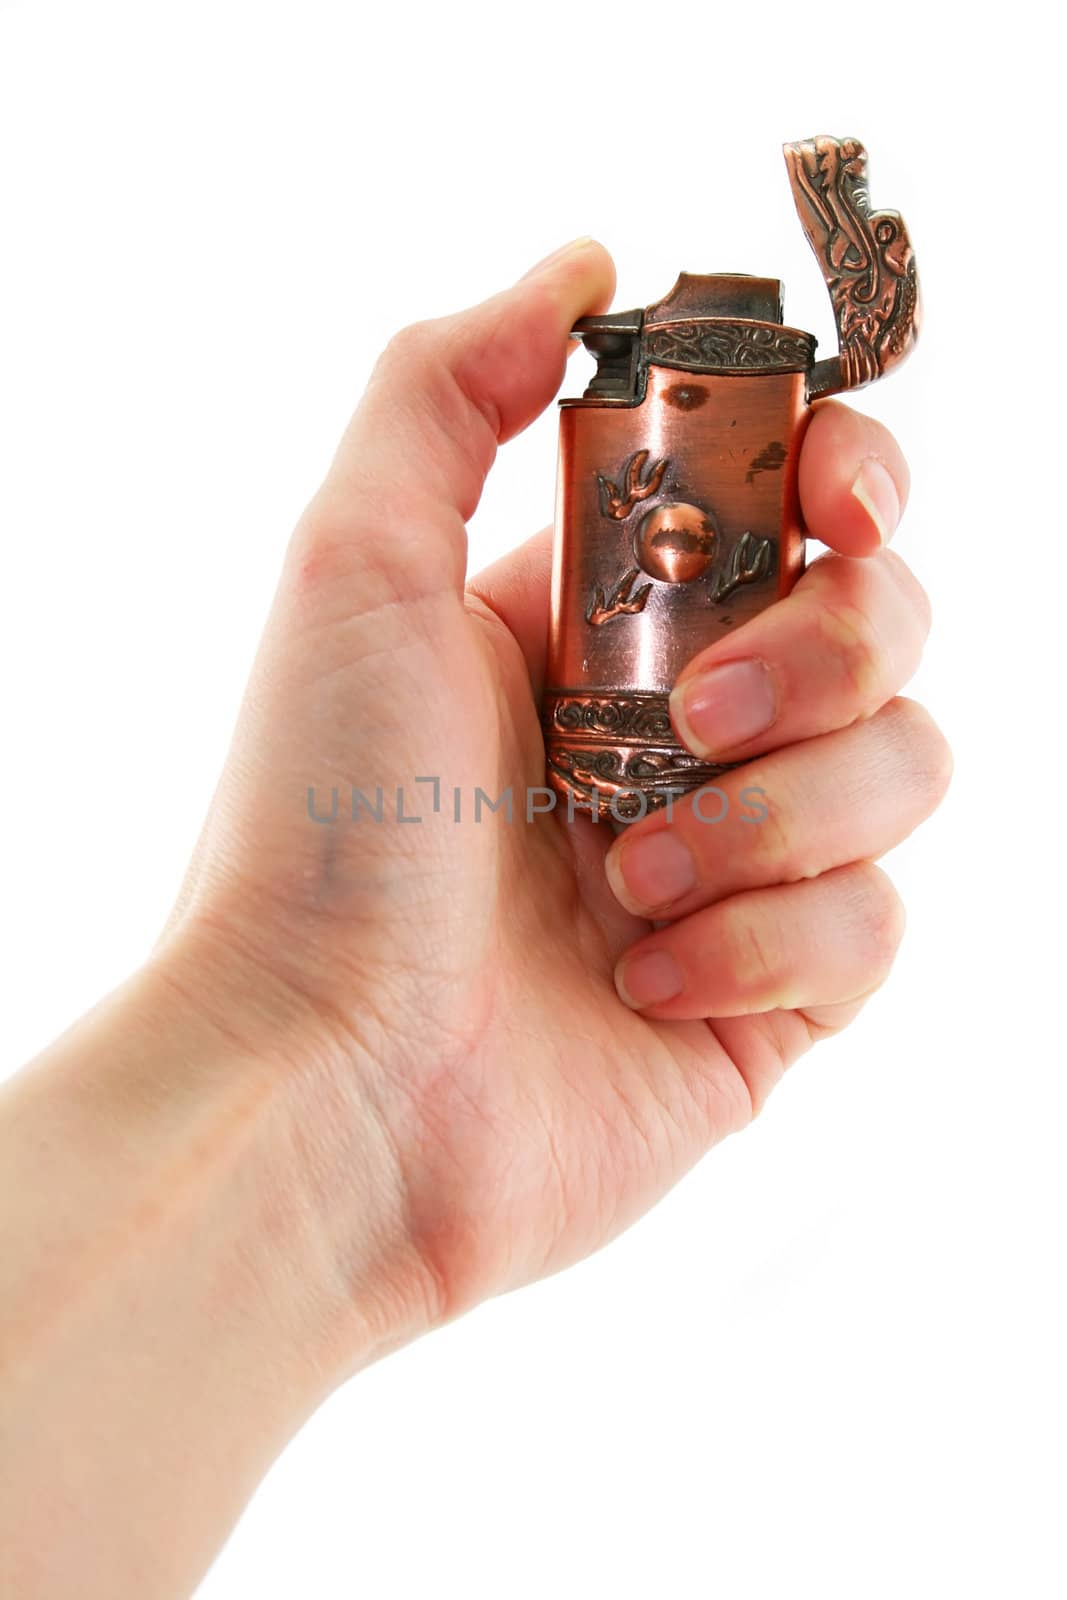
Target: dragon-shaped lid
(730, 323)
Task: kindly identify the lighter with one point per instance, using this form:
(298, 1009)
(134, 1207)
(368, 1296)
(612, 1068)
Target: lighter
(677, 512)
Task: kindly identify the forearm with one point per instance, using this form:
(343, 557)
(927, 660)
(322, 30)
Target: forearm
(172, 1306)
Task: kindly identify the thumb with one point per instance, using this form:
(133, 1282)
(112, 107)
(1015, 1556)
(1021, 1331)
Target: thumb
(411, 466)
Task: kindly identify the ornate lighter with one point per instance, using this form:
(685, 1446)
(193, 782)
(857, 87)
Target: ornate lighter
(677, 514)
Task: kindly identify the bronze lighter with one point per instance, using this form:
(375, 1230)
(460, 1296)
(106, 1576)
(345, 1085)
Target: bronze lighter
(677, 513)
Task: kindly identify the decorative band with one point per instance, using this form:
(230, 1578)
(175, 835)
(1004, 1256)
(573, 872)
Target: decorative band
(626, 781)
(719, 344)
(633, 717)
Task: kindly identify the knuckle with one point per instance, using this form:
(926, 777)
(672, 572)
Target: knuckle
(924, 755)
(915, 596)
(777, 849)
(411, 345)
(848, 632)
(760, 965)
(340, 562)
(880, 913)
(321, 549)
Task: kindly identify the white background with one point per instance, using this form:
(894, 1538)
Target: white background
(830, 1364)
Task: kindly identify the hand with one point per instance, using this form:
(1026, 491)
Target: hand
(378, 1070)
(446, 991)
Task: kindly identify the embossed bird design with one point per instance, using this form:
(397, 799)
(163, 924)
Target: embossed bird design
(618, 503)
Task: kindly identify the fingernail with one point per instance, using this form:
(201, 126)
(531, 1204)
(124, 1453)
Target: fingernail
(650, 872)
(558, 255)
(877, 494)
(648, 978)
(725, 707)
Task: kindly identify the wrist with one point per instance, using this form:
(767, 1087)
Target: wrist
(293, 1097)
(201, 1117)
(184, 1269)
(198, 1243)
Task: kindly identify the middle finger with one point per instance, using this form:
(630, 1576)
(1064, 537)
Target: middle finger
(840, 645)
(847, 796)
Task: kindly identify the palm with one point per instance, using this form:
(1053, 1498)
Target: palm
(557, 1115)
(468, 964)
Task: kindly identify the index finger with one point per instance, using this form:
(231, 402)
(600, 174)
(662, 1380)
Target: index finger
(853, 480)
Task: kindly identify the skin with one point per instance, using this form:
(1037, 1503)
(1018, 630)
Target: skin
(374, 1074)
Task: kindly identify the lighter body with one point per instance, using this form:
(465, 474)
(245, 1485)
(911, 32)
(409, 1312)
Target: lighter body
(677, 513)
